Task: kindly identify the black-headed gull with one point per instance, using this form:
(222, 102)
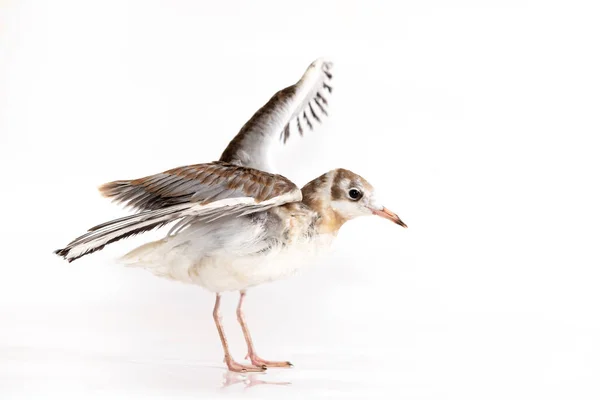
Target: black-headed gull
(236, 224)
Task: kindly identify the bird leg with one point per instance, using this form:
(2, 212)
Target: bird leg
(231, 364)
(255, 359)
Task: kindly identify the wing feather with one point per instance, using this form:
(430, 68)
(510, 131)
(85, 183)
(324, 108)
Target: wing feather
(274, 120)
(200, 183)
(186, 212)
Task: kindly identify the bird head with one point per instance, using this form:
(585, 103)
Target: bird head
(347, 195)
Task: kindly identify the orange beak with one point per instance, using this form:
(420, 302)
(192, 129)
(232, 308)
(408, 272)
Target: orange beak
(387, 214)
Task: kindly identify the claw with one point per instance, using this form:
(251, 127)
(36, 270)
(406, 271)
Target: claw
(234, 366)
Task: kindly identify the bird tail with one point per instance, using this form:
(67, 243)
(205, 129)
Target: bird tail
(101, 235)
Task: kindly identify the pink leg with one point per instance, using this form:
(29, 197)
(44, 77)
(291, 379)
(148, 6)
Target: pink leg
(231, 364)
(255, 359)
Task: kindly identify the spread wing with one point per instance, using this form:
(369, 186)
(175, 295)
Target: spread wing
(296, 108)
(200, 183)
(196, 193)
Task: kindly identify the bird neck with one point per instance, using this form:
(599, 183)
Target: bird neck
(316, 195)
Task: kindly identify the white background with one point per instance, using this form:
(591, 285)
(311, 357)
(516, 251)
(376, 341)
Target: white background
(477, 122)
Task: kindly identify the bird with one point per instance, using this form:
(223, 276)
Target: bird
(235, 223)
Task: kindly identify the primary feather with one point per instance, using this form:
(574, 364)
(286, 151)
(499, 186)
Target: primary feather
(295, 105)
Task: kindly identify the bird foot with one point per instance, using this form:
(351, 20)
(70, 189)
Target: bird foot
(256, 360)
(234, 366)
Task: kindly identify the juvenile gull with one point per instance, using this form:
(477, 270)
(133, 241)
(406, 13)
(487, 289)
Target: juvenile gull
(235, 223)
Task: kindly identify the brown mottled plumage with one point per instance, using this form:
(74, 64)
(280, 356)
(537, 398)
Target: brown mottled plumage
(203, 183)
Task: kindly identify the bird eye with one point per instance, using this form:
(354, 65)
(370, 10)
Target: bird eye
(354, 194)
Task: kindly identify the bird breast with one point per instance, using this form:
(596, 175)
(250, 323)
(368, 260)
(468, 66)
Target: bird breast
(237, 253)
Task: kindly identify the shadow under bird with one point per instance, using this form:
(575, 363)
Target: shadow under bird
(236, 224)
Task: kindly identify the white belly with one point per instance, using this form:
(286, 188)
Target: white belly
(220, 271)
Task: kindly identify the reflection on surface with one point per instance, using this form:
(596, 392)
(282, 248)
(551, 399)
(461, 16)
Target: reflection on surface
(249, 380)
